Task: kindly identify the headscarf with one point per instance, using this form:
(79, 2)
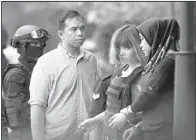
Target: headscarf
(157, 30)
(133, 36)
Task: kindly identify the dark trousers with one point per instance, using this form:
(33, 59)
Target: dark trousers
(165, 132)
(21, 133)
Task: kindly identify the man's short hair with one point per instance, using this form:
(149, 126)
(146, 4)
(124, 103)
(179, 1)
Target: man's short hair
(67, 15)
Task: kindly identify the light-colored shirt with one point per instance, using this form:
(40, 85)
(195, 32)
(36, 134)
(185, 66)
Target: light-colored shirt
(64, 86)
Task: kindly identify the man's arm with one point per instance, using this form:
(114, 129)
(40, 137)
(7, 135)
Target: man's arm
(40, 86)
(37, 122)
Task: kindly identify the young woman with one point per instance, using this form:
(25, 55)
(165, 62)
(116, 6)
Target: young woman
(114, 93)
(159, 38)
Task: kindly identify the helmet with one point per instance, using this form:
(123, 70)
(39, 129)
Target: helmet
(30, 42)
(28, 33)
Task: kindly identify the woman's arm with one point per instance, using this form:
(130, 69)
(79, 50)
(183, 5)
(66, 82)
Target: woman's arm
(160, 77)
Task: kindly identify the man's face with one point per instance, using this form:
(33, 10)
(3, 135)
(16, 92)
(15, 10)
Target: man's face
(74, 32)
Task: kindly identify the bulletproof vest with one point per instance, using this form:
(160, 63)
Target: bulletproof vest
(9, 67)
(118, 97)
(11, 111)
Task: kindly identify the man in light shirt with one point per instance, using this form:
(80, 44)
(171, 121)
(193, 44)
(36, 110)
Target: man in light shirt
(63, 83)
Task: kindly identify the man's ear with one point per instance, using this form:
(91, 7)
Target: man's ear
(60, 33)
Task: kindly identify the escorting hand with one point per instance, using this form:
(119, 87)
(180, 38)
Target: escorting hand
(88, 124)
(117, 121)
(131, 133)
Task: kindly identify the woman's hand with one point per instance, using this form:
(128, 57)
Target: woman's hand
(130, 133)
(117, 121)
(88, 124)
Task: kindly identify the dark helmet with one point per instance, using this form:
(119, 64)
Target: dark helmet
(28, 33)
(30, 41)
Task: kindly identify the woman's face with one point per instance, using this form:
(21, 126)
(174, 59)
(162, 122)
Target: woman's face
(127, 55)
(144, 46)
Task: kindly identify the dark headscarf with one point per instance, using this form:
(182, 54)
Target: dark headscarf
(133, 36)
(157, 30)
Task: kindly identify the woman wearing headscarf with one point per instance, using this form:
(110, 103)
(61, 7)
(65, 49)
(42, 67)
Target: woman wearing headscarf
(114, 92)
(159, 38)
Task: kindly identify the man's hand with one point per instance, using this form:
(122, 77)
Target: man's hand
(88, 124)
(117, 121)
(124, 110)
(130, 133)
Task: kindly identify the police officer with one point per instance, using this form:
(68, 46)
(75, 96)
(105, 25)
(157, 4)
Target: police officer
(29, 40)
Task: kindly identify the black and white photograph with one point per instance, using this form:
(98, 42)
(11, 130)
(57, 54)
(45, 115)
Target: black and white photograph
(98, 70)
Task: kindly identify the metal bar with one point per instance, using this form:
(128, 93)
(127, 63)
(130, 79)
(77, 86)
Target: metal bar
(184, 97)
(184, 53)
(172, 9)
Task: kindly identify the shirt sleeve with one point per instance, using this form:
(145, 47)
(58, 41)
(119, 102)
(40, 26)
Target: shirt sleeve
(40, 85)
(162, 75)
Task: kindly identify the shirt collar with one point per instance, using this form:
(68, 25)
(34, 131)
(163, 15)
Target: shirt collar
(81, 55)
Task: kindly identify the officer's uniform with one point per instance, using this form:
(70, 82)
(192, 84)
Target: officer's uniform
(29, 40)
(16, 78)
(4, 123)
